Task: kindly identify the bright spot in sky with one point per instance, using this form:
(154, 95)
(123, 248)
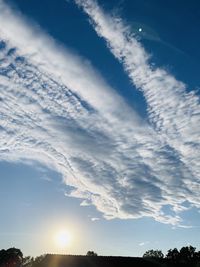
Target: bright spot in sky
(140, 29)
(63, 239)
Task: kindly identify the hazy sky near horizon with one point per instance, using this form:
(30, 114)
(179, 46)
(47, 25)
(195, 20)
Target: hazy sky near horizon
(99, 125)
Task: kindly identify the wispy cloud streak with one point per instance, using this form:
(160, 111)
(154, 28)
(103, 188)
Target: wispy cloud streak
(56, 108)
(174, 113)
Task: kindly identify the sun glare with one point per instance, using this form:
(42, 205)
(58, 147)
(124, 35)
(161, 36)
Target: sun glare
(63, 239)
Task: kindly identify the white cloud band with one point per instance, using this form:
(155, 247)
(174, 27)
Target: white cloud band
(56, 108)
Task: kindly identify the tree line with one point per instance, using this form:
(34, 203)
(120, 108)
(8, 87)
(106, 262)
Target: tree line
(186, 255)
(13, 257)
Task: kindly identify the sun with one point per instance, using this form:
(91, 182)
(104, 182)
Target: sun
(63, 239)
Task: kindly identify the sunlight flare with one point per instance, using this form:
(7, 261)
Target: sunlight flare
(63, 239)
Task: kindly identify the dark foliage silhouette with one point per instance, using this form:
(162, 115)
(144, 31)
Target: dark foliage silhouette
(173, 255)
(186, 256)
(91, 253)
(28, 261)
(153, 254)
(11, 257)
(38, 260)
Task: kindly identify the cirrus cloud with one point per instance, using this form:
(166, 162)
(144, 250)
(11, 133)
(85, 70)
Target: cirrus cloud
(57, 109)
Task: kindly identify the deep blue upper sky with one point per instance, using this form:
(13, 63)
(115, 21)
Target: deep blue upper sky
(175, 24)
(170, 35)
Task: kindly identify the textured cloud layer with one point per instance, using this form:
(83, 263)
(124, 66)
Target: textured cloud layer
(57, 109)
(174, 113)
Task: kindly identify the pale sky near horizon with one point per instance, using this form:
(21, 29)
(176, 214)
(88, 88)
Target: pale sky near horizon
(99, 125)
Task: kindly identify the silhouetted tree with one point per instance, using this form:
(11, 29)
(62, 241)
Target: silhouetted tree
(37, 261)
(187, 253)
(173, 255)
(153, 254)
(28, 261)
(91, 253)
(2, 256)
(197, 255)
(11, 257)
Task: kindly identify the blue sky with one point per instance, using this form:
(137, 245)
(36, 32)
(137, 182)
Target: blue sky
(99, 129)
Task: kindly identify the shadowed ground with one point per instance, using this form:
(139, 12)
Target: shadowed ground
(95, 261)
